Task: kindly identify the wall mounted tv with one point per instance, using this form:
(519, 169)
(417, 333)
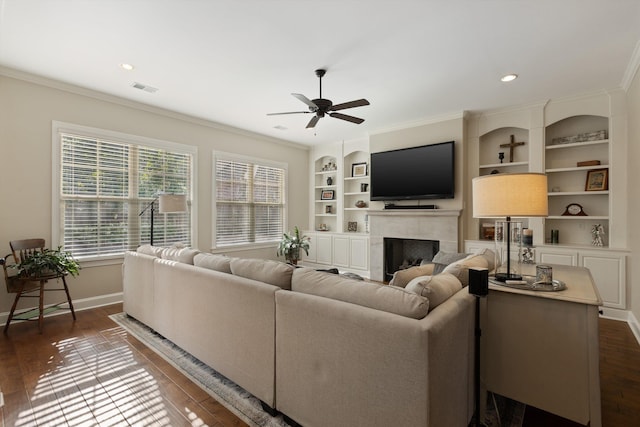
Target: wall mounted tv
(424, 172)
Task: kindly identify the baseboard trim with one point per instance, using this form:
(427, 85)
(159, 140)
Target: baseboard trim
(634, 325)
(78, 305)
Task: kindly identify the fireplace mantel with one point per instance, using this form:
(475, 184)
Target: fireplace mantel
(427, 224)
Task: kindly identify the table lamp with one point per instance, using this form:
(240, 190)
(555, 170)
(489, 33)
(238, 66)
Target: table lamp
(168, 203)
(509, 195)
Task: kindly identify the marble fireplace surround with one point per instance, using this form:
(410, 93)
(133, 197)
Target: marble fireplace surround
(427, 224)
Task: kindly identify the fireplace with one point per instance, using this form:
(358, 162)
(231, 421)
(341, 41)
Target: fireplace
(439, 225)
(400, 254)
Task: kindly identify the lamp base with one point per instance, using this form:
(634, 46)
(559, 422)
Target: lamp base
(503, 277)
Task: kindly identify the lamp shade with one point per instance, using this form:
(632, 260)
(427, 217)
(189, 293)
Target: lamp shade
(510, 195)
(173, 203)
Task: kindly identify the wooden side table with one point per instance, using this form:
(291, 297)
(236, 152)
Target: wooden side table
(542, 348)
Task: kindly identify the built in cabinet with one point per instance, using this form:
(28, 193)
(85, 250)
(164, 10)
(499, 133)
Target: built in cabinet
(325, 191)
(568, 143)
(344, 251)
(567, 139)
(339, 224)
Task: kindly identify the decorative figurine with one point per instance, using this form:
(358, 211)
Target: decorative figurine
(501, 156)
(597, 232)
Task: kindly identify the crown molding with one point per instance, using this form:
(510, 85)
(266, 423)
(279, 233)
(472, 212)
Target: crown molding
(632, 68)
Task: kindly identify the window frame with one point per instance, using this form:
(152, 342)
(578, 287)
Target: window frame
(59, 128)
(223, 155)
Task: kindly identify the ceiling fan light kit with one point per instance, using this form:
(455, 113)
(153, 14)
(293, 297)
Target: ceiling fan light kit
(321, 106)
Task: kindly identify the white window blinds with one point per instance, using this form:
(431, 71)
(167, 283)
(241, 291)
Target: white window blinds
(250, 201)
(103, 187)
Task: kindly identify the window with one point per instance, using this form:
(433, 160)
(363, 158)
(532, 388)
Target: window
(103, 180)
(249, 200)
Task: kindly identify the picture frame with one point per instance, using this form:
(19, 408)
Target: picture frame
(327, 195)
(359, 169)
(597, 180)
(352, 226)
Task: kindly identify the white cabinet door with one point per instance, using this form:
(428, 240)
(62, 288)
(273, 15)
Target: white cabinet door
(552, 256)
(341, 251)
(359, 253)
(313, 248)
(609, 274)
(324, 246)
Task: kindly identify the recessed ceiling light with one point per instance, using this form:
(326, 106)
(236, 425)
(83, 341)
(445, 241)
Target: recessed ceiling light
(509, 78)
(127, 67)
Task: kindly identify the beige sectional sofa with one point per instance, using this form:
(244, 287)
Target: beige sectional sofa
(318, 347)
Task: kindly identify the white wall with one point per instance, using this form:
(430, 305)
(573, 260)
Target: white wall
(633, 111)
(29, 104)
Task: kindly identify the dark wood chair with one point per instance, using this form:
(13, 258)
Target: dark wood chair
(30, 287)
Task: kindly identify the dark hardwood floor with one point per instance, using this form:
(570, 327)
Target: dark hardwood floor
(92, 373)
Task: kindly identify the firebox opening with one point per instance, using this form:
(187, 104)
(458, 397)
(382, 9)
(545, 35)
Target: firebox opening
(400, 254)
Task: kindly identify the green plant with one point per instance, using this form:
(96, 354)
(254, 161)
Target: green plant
(47, 262)
(291, 244)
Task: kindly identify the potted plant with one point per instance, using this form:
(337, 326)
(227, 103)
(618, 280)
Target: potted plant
(48, 262)
(291, 244)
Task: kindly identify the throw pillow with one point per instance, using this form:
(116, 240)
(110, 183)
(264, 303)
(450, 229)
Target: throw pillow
(437, 289)
(213, 262)
(447, 258)
(460, 269)
(272, 272)
(402, 277)
(489, 255)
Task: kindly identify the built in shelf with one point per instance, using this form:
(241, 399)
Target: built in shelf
(571, 217)
(351, 178)
(576, 144)
(325, 214)
(327, 172)
(502, 165)
(327, 201)
(578, 193)
(357, 193)
(577, 168)
(356, 209)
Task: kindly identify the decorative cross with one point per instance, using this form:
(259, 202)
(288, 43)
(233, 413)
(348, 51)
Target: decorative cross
(511, 146)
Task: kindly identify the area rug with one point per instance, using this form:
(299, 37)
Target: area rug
(239, 401)
(501, 412)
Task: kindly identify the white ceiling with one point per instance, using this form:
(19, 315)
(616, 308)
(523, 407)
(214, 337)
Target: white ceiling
(233, 61)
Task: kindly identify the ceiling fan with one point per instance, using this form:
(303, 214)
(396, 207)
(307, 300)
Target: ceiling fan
(322, 107)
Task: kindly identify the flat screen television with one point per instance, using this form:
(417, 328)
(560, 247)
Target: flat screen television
(424, 172)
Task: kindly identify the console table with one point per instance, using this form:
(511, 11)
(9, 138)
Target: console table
(541, 348)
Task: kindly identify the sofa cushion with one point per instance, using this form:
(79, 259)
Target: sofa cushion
(379, 297)
(150, 250)
(183, 255)
(272, 272)
(402, 277)
(437, 289)
(460, 269)
(213, 262)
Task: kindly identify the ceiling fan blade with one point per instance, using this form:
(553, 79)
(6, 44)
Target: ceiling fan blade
(289, 112)
(305, 100)
(351, 119)
(351, 104)
(312, 122)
